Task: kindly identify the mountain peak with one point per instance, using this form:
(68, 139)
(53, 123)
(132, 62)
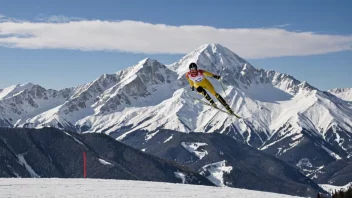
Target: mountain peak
(211, 50)
(26, 84)
(14, 89)
(146, 61)
(142, 64)
(145, 69)
(210, 57)
(214, 47)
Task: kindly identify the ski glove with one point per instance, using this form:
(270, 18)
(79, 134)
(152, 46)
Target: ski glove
(216, 77)
(192, 88)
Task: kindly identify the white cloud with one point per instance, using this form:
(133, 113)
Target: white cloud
(140, 37)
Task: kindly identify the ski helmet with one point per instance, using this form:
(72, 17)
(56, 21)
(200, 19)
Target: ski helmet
(193, 65)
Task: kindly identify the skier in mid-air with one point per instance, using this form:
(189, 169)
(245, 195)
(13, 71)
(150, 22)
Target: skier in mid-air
(198, 81)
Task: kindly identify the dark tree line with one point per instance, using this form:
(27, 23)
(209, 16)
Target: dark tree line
(339, 194)
(343, 194)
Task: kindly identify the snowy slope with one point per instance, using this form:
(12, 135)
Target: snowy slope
(12, 90)
(343, 93)
(282, 116)
(117, 188)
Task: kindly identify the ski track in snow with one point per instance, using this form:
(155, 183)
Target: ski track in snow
(89, 188)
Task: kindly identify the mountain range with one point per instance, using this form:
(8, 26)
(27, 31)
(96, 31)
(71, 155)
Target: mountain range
(291, 120)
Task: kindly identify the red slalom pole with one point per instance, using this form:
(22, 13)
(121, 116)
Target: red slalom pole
(85, 164)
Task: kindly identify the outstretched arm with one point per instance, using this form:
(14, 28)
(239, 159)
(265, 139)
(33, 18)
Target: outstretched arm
(206, 73)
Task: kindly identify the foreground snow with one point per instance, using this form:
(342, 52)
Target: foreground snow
(116, 188)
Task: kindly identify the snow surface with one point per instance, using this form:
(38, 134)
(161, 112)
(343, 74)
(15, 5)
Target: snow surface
(65, 188)
(192, 148)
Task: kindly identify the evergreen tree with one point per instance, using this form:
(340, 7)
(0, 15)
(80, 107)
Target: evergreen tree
(343, 194)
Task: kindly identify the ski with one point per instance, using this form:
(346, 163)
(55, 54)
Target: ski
(217, 108)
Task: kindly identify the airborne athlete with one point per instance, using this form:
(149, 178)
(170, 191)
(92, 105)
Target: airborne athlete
(199, 82)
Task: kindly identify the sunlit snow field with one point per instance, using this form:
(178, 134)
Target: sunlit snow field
(63, 188)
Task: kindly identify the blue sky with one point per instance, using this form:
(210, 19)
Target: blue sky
(310, 40)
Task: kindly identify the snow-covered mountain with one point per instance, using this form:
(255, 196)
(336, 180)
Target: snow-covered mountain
(289, 119)
(12, 90)
(21, 102)
(126, 93)
(343, 93)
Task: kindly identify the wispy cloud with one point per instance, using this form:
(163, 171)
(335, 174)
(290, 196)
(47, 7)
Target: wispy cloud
(282, 25)
(4, 18)
(60, 32)
(57, 18)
